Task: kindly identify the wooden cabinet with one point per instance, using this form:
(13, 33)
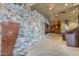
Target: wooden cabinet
(9, 34)
(56, 28)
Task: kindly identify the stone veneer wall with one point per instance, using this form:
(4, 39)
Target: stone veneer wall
(31, 25)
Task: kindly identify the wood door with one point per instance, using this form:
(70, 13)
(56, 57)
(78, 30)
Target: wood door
(9, 34)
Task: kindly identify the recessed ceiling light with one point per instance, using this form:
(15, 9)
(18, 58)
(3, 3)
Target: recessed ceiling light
(73, 11)
(56, 15)
(50, 8)
(75, 4)
(31, 4)
(66, 4)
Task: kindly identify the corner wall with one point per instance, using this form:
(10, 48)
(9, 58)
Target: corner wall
(32, 28)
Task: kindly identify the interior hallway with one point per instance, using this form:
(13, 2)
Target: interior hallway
(34, 22)
(52, 45)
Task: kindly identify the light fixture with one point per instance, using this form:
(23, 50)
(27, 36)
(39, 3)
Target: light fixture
(56, 15)
(51, 6)
(73, 11)
(66, 4)
(75, 4)
(31, 4)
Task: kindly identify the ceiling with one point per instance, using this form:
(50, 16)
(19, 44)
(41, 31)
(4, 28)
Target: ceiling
(71, 10)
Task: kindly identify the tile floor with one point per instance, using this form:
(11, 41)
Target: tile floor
(52, 45)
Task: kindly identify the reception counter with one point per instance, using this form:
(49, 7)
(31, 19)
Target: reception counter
(71, 37)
